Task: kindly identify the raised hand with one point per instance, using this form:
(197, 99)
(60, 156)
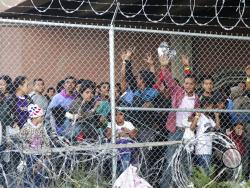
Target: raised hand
(149, 59)
(164, 60)
(126, 54)
(247, 70)
(185, 60)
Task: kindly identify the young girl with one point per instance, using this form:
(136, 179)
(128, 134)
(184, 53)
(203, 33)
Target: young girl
(237, 137)
(34, 139)
(33, 133)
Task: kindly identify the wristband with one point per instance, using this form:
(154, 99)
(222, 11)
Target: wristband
(187, 70)
(125, 61)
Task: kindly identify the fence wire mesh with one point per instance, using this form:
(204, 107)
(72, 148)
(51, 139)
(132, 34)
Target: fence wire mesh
(56, 114)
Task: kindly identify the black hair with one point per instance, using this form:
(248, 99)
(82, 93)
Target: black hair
(219, 97)
(118, 85)
(207, 101)
(51, 88)
(80, 81)
(225, 90)
(70, 78)
(59, 114)
(130, 78)
(177, 81)
(242, 82)
(59, 86)
(207, 77)
(37, 80)
(87, 84)
(147, 77)
(190, 76)
(119, 112)
(98, 86)
(19, 81)
(239, 123)
(10, 87)
(102, 83)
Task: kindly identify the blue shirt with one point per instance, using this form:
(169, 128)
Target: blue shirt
(61, 99)
(148, 94)
(237, 117)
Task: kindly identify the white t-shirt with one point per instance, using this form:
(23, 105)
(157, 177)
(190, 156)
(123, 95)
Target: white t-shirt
(126, 124)
(204, 142)
(186, 103)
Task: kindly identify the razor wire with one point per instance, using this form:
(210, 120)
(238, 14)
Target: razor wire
(79, 152)
(218, 8)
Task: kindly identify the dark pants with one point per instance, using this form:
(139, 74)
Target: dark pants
(203, 161)
(35, 172)
(166, 180)
(125, 156)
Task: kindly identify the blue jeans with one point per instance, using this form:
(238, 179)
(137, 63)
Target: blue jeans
(166, 180)
(33, 178)
(203, 161)
(125, 156)
(124, 162)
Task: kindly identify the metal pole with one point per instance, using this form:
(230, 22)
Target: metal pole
(181, 110)
(5, 22)
(112, 93)
(112, 100)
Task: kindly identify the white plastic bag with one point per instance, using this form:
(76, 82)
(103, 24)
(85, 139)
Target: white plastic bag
(130, 179)
(188, 134)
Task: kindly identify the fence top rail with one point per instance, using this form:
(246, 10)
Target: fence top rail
(85, 26)
(181, 110)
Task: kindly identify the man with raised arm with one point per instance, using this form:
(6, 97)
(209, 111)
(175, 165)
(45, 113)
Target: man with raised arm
(183, 97)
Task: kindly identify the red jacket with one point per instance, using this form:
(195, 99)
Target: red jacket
(239, 142)
(177, 94)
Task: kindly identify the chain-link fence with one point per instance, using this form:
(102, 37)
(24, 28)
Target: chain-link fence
(184, 117)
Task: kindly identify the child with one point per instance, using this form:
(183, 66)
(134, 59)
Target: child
(125, 133)
(203, 123)
(33, 133)
(34, 138)
(237, 136)
(124, 129)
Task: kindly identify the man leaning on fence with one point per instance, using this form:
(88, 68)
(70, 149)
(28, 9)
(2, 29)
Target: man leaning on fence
(182, 97)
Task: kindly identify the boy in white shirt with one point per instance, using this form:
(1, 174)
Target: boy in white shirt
(202, 124)
(124, 129)
(125, 133)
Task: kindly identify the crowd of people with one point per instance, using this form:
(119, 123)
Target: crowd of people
(79, 110)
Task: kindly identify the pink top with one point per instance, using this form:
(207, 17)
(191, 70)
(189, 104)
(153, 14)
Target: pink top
(177, 95)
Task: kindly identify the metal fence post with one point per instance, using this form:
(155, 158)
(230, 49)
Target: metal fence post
(112, 94)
